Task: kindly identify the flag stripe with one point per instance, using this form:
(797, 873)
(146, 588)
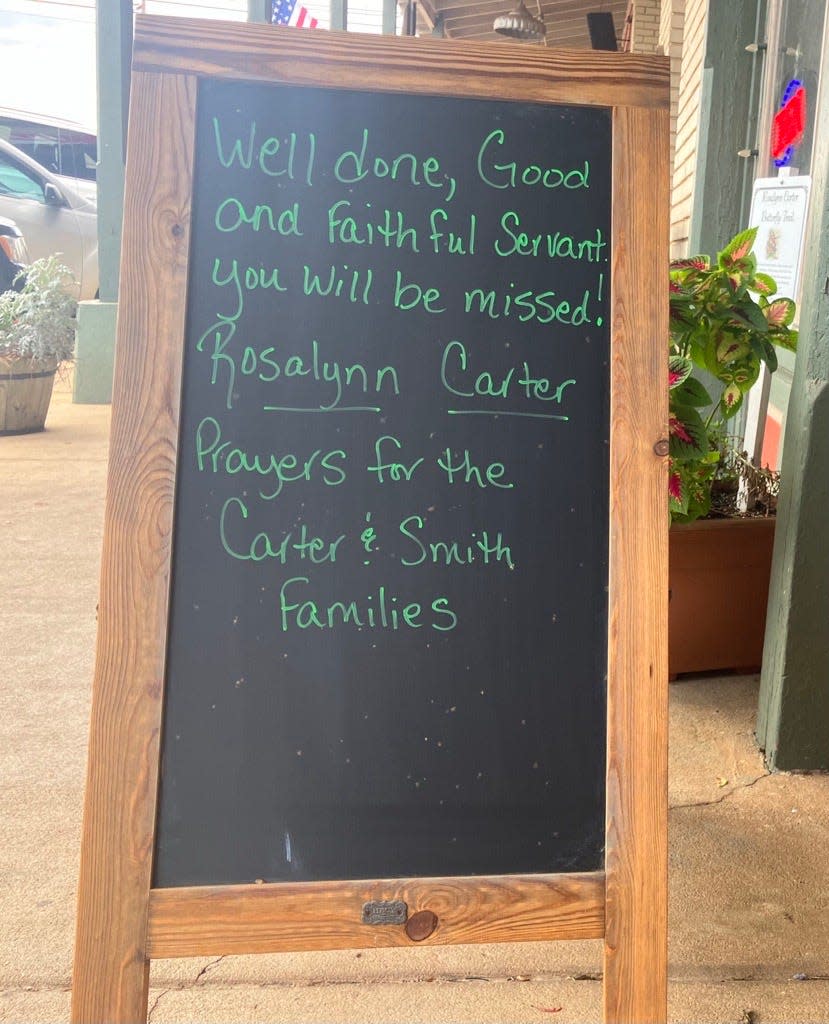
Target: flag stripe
(288, 12)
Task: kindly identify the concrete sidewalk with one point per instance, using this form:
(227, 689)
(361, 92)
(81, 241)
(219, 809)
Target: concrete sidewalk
(749, 927)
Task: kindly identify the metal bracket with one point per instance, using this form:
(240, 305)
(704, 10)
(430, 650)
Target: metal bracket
(385, 912)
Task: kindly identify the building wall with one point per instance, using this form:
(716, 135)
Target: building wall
(687, 123)
(671, 34)
(645, 31)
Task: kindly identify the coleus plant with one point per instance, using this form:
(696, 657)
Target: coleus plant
(725, 318)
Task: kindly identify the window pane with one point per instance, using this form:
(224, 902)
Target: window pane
(15, 182)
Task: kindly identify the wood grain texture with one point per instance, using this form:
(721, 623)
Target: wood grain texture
(211, 921)
(637, 770)
(501, 71)
(121, 921)
(111, 962)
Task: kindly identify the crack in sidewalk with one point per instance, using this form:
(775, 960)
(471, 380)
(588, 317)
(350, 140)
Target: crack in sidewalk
(206, 968)
(157, 1000)
(182, 987)
(725, 796)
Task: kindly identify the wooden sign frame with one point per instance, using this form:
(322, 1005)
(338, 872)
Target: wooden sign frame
(122, 921)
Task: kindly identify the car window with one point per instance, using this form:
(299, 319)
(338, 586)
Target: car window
(14, 181)
(60, 150)
(78, 159)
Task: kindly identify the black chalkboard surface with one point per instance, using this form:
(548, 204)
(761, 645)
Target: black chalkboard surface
(387, 643)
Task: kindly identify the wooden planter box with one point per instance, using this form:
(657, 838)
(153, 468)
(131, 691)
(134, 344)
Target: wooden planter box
(719, 587)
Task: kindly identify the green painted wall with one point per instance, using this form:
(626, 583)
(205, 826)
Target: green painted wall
(95, 353)
(793, 721)
(728, 123)
(96, 319)
(259, 10)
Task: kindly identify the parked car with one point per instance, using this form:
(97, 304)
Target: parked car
(13, 255)
(65, 148)
(53, 216)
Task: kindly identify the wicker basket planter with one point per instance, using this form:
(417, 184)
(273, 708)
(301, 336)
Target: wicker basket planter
(25, 391)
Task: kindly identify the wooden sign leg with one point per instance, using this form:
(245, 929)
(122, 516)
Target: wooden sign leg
(111, 973)
(635, 975)
(124, 985)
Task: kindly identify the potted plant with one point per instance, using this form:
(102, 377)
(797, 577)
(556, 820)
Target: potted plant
(726, 320)
(37, 333)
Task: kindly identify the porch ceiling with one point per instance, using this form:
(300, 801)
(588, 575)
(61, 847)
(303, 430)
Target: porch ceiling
(566, 20)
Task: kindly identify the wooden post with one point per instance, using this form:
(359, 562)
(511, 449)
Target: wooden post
(637, 770)
(111, 961)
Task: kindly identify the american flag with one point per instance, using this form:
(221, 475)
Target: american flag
(289, 12)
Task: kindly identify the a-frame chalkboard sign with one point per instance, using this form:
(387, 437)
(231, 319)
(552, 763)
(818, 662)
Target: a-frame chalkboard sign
(382, 647)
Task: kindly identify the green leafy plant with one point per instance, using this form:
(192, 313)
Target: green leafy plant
(722, 320)
(38, 322)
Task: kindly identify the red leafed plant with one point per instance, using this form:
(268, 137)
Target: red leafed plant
(724, 319)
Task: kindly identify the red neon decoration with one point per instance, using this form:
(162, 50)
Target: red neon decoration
(789, 123)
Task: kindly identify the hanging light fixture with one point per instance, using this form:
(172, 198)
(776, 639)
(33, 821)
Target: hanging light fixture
(520, 24)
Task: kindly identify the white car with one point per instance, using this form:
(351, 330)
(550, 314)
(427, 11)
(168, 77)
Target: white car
(53, 216)
(65, 148)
